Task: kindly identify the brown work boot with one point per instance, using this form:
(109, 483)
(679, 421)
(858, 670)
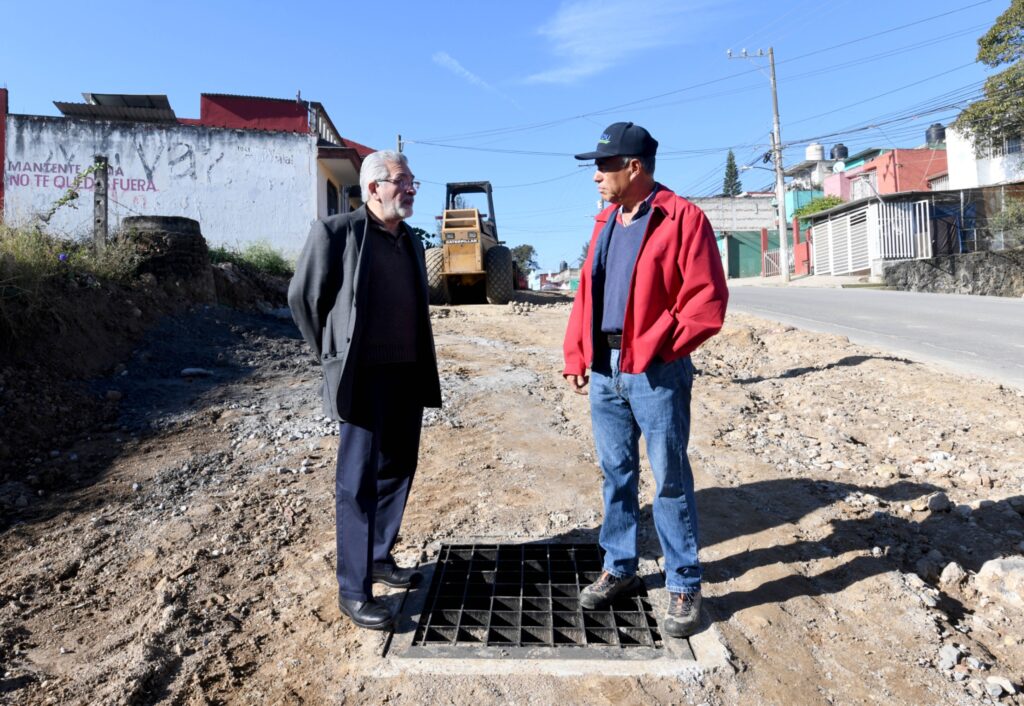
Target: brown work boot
(683, 617)
(606, 589)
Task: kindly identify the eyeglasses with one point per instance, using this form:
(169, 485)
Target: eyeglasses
(404, 183)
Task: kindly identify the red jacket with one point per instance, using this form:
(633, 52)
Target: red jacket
(677, 294)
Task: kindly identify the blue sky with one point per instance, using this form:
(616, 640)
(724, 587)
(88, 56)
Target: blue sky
(507, 92)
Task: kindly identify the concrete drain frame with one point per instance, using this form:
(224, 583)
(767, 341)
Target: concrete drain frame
(489, 600)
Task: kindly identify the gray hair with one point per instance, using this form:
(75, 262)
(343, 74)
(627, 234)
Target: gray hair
(646, 162)
(375, 167)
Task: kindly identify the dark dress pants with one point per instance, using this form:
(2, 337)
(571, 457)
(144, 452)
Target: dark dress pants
(377, 454)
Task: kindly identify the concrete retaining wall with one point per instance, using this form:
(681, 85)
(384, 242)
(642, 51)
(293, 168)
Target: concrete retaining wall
(999, 274)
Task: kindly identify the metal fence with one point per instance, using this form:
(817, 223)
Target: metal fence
(850, 241)
(770, 263)
(842, 244)
(904, 231)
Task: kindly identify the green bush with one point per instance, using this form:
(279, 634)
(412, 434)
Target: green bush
(259, 256)
(1009, 223)
(822, 203)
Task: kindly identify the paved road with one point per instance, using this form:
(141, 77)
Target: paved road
(969, 334)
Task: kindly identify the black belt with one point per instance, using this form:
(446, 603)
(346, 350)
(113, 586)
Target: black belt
(614, 340)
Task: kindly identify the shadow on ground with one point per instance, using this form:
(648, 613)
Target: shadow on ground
(223, 345)
(847, 362)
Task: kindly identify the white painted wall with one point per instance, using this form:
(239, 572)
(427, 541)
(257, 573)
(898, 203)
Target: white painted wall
(241, 185)
(738, 213)
(966, 171)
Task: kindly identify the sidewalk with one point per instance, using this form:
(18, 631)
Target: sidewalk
(827, 281)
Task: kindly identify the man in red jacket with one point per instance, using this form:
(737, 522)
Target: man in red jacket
(651, 290)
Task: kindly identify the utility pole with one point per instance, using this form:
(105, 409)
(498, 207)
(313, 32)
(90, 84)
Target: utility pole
(780, 189)
(99, 203)
(400, 144)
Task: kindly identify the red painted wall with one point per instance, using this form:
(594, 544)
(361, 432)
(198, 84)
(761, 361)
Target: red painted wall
(252, 113)
(3, 147)
(801, 251)
(907, 170)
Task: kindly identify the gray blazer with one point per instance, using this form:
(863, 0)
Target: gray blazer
(326, 295)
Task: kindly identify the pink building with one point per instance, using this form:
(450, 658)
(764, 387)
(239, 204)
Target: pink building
(892, 172)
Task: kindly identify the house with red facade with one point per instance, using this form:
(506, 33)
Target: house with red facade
(890, 171)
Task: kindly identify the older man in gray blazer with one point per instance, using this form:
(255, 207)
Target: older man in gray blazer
(359, 297)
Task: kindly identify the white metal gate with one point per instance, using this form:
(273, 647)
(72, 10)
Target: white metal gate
(877, 231)
(905, 231)
(840, 245)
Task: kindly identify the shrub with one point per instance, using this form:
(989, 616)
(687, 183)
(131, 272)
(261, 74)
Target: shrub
(822, 203)
(259, 256)
(1008, 224)
(30, 258)
(29, 255)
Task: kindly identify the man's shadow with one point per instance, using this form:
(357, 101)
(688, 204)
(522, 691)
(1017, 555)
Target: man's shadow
(730, 513)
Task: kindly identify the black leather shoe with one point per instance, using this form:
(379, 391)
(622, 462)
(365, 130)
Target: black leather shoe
(366, 614)
(391, 574)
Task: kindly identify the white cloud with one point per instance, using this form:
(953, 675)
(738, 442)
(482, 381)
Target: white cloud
(445, 60)
(593, 35)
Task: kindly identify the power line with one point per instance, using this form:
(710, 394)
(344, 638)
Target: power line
(886, 31)
(816, 72)
(551, 123)
(880, 95)
(532, 153)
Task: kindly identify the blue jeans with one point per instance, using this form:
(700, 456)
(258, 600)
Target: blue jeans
(657, 404)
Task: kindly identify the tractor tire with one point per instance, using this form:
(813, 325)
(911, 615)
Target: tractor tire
(498, 266)
(437, 283)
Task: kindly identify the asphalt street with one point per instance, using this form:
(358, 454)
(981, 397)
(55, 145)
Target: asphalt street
(981, 336)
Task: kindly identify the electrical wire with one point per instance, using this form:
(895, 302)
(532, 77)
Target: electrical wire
(550, 123)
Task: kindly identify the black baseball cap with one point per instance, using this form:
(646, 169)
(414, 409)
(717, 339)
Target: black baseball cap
(623, 139)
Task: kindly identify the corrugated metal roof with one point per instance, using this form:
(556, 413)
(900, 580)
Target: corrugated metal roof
(145, 100)
(258, 98)
(937, 195)
(116, 112)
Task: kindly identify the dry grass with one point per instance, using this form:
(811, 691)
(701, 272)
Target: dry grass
(31, 259)
(259, 256)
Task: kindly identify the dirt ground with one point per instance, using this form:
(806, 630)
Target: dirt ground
(849, 500)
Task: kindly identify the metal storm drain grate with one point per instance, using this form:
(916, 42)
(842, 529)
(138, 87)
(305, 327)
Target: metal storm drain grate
(526, 596)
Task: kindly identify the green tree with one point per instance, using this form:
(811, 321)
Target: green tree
(525, 258)
(731, 185)
(821, 203)
(583, 255)
(1001, 112)
(424, 236)
(1008, 224)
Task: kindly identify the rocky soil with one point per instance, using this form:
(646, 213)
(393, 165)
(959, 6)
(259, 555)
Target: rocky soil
(861, 518)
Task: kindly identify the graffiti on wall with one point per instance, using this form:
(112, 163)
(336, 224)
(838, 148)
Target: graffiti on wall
(233, 182)
(62, 176)
(60, 172)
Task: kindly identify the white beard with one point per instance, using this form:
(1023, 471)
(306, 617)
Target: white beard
(395, 210)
